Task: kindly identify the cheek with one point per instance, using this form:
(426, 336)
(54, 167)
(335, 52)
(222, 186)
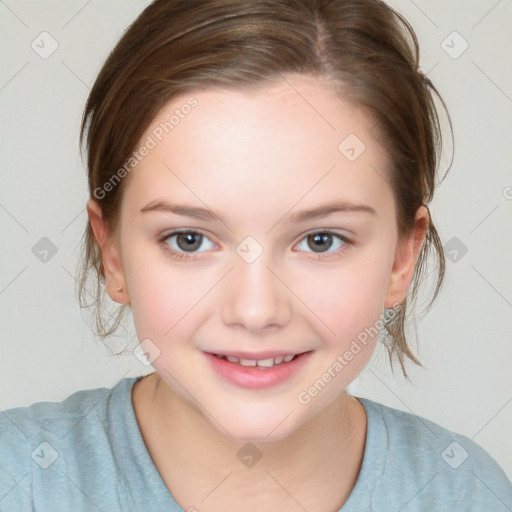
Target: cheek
(160, 293)
(347, 299)
(348, 306)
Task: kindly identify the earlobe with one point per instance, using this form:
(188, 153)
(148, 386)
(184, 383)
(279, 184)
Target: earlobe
(406, 256)
(113, 271)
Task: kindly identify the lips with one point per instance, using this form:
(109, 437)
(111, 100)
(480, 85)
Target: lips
(257, 370)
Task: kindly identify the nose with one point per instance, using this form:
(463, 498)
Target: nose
(256, 298)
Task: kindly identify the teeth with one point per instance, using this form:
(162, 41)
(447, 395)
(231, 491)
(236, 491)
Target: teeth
(262, 363)
(267, 363)
(247, 362)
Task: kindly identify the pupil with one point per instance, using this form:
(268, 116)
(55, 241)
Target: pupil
(188, 241)
(320, 241)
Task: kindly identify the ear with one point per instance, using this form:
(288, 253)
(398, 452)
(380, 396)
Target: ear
(406, 255)
(110, 254)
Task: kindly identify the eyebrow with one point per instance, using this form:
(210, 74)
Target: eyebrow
(207, 214)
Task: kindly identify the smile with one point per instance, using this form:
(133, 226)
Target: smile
(259, 372)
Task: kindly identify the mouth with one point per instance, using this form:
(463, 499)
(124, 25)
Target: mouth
(257, 371)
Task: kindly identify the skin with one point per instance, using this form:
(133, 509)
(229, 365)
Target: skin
(256, 158)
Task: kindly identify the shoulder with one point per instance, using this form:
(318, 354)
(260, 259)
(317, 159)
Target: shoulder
(424, 462)
(42, 443)
(50, 421)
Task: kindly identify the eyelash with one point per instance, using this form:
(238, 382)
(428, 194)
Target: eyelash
(316, 256)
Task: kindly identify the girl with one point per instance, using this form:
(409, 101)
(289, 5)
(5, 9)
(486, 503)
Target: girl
(259, 175)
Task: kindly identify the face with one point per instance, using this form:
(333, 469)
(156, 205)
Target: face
(290, 249)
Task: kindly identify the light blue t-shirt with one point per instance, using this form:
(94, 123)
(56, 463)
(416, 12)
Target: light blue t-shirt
(87, 454)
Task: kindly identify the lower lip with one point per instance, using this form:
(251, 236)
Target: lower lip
(251, 377)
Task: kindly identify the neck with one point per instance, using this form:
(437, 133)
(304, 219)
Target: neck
(323, 456)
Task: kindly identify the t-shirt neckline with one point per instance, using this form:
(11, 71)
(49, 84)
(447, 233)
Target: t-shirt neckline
(143, 479)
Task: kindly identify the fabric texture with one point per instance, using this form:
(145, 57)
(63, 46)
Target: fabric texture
(86, 453)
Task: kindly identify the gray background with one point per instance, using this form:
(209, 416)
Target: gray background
(465, 342)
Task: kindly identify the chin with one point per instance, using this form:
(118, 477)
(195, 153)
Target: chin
(257, 424)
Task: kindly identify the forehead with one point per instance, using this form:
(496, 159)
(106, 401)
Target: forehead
(296, 113)
(279, 141)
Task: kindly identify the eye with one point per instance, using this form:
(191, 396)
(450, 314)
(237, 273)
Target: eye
(186, 242)
(322, 242)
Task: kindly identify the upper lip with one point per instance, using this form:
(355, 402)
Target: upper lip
(256, 356)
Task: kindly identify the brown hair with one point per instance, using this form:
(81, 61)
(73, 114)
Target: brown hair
(366, 50)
